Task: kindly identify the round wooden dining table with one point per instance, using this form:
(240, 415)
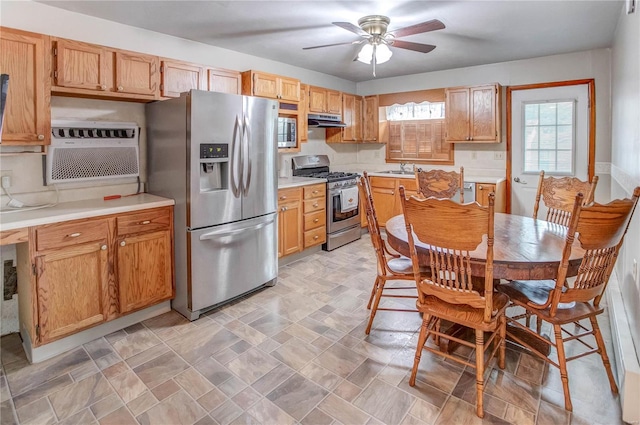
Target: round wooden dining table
(524, 248)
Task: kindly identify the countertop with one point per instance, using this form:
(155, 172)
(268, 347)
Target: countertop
(287, 182)
(74, 210)
(467, 178)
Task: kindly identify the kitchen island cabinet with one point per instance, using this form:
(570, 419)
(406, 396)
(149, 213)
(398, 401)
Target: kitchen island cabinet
(27, 118)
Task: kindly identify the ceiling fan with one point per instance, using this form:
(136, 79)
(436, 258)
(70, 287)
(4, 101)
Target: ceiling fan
(377, 40)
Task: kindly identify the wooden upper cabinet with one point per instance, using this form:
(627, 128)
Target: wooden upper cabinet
(224, 81)
(179, 77)
(136, 73)
(88, 70)
(358, 119)
(289, 89)
(81, 66)
(472, 114)
(370, 123)
(348, 117)
(27, 118)
(323, 100)
(255, 83)
(303, 111)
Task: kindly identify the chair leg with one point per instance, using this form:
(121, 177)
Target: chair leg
(562, 362)
(603, 353)
(376, 302)
(422, 338)
(373, 292)
(502, 351)
(538, 325)
(436, 337)
(480, 373)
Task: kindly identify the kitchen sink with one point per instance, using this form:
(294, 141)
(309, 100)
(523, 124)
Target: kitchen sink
(396, 172)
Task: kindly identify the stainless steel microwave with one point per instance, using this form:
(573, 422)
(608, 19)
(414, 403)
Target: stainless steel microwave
(287, 132)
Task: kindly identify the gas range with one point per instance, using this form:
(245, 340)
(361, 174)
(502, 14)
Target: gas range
(343, 223)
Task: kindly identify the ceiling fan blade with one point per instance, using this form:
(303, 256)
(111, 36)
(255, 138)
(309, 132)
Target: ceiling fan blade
(417, 47)
(330, 45)
(350, 27)
(431, 25)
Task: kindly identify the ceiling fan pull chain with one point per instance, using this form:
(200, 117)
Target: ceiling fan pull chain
(373, 59)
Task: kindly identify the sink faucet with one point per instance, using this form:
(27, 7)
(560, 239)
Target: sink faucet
(402, 167)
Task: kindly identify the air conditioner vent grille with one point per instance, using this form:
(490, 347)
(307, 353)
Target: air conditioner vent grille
(83, 163)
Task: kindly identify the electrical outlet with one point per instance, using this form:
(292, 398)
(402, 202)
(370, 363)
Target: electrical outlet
(7, 177)
(498, 156)
(634, 271)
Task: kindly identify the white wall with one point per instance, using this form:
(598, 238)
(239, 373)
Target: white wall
(625, 111)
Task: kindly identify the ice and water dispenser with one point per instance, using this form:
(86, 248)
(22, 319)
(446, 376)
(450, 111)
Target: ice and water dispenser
(214, 166)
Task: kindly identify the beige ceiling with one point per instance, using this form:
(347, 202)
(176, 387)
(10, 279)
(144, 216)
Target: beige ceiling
(477, 32)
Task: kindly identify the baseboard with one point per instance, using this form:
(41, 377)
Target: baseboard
(47, 351)
(626, 358)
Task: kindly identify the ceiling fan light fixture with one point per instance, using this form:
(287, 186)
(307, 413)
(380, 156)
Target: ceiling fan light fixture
(381, 52)
(366, 53)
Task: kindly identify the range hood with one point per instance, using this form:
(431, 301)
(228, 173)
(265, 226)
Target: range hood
(325, 121)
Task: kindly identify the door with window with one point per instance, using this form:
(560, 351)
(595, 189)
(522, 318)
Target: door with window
(550, 132)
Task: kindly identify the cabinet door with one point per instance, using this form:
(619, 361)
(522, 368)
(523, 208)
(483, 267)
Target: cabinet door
(303, 111)
(265, 85)
(289, 89)
(27, 117)
(482, 193)
(317, 99)
(457, 114)
(72, 289)
(334, 102)
(144, 270)
(136, 73)
(290, 228)
(348, 116)
(370, 113)
(224, 81)
(483, 114)
(357, 119)
(81, 66)
(410, 189)
(178, 77)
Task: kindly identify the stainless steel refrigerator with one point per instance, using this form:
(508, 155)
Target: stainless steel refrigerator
(215, 154)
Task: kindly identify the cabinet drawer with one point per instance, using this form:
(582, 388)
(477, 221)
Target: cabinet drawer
(77, 232)
(289, 195)
(315, 237)
(312, 205)
(315, 219)
(315, 191)
(386, 182)
(144, 221)
(409, 184)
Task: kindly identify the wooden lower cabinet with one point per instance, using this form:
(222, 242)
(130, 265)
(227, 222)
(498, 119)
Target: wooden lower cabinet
(289, 221)
(77, 274)
(484, 189)
(72, 289)
(386, 196)
(302, 218)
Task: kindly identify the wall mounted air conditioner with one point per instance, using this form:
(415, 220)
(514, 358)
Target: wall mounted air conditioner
(91, 150)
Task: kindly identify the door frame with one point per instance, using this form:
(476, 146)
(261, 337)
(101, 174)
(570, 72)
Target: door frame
(591, 130)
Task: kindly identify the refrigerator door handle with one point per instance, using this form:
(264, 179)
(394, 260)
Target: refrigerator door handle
(247, 144)
(236, 184)
(221, 233)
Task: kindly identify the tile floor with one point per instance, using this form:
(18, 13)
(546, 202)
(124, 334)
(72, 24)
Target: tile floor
(294, 353)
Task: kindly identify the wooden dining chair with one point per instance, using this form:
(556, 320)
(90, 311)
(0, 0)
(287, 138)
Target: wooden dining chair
(390, 266)
(439, 183)
(450, 232)
(600, 231)
(559, 194)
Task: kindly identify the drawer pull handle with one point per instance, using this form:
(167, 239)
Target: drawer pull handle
(103, 87)
(316, 220)
(283, 197)
(315, 205)
(316, 237)
(480, 187)
(123, 243)
(40, 136)
(74, 235)
(120, 88)
(283, 209)
(315, 191)
(103, 247)
(146, 222)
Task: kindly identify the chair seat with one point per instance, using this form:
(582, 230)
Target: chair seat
(522, 292)
(463, 313)
(404, 265)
